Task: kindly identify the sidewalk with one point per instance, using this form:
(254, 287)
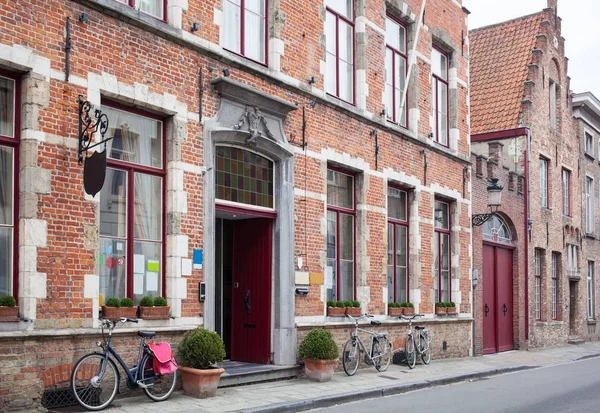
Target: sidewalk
(300, 394)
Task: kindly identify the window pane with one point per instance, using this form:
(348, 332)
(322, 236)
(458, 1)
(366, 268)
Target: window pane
(392, 37)
(7, 195)
(149, 281)
(397, 204)
(345, 39)
(340, 189)
(153, 7)
(255, 6)
(231, 26)
(436, 266)
(331, 76)
(346, 82)
(136, 139)
(113, 204)
(7, 107)
(331, 234)
(441, 215)
(343, 7)
(442, 118)
(330, 35)
(346, 237)
(147, 209)
(346, 280)
(6, 254)
(400, 84)
(113, 267)
(401, 262)
(389, 85)
(331, 280)
(254, 36)
(439, 63)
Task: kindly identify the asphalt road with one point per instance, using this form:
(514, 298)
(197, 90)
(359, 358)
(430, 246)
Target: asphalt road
(571, 387)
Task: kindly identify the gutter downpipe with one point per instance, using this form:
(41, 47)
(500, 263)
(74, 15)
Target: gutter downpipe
(527, 231)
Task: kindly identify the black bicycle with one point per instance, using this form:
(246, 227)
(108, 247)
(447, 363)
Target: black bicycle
(95, 377)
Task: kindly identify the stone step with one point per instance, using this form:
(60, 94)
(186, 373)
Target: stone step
(237, 373)
(576, 340)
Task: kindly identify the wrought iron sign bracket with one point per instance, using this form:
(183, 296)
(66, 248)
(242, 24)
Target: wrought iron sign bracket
(480, 219)
(88, 126)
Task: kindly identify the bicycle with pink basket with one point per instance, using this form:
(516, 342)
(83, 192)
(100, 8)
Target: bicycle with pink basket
(95, 378)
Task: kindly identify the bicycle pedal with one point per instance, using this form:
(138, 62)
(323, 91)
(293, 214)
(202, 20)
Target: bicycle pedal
(144, 386)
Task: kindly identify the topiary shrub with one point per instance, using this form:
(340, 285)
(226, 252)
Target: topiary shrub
(330, 303)
(318, 345)
(403, 305)
(347, 303)
(410, 305)
(112, 302)
(356, 304)
(200, 349)
(127, 302)
(450, 304)
(339, 304)
(160, 301)
(8, 301)
(392, 305)
(146, 302)
(440, 304)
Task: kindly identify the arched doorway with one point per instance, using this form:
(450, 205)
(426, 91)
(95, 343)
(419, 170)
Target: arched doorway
(497, 286)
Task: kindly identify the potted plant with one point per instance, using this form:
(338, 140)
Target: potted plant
(156, 309)
(450, 308)
(352, 308)
(9, 311)
(320, 354)
(408, 309)
(113, 308)
(394, 309)
(440, 308)
(198, 351)
(335, 309)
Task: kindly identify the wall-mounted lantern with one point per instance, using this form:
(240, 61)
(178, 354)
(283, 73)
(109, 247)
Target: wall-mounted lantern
(494, 197)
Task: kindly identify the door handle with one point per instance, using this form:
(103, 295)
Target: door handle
(247, 301)
(504, 309)
(487, 309)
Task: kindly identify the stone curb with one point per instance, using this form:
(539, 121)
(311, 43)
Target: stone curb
(328, 401)
(587, 356)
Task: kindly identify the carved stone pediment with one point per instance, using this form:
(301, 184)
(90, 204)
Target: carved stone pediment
(255, 123)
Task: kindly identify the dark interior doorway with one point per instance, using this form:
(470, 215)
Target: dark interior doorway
(223, 274)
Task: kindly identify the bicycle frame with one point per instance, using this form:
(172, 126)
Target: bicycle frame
(373, 335)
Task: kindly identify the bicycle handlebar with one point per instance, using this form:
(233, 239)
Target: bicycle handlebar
(411, 318)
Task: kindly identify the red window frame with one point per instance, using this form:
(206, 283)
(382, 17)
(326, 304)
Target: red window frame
(13, 142)
(435, 83)
(394, 118)
(243, 30)
(438, 232)
(545, 189)
(131, 169)
(341, 210)
(566, 194)
(131, 3)
(555, 286)
(396, 223)
(538, 284)
(339, 17)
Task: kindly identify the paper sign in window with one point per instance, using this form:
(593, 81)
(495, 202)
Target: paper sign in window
(152, 280)
(138, 283)
(138, 263)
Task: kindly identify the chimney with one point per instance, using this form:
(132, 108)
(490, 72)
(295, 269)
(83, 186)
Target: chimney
(553, 4)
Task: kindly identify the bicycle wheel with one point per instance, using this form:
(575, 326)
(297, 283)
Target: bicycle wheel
(91, 391)
(351, 356)
(383, 349)
(425, 350)
(159, 386)
(409, 351)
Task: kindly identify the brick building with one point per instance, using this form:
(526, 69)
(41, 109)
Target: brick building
(214, 178)
(586, 113)
(522, 133)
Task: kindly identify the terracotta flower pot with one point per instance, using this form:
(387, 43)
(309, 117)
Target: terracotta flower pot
(9, 314)
(336, 311)
(451, 310)
(155, 313)
(353, 311)
(440, 310)
(113, 313)
(408, 310)
(394, 311)
(319, 370)
(200, 383)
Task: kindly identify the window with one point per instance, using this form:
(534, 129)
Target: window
(496, 230)
(555, 269)
(543, 183)
(553, 87)
(538, 284)
(339, 33)
(566, 191)
(589, 205)
(244, 28)
(441, 280)
(397, 246)
(572, 260)
(155, 8)
(131, 257)
(589, 144)
(395, 70)
(8, 184)
(439, 98)
(341, 213)
(590, 291)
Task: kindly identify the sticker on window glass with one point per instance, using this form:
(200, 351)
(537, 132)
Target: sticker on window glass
(109, 249)
(152, 265)
(119, 246)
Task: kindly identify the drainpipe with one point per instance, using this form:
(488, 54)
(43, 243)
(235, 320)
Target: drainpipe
(528, 221)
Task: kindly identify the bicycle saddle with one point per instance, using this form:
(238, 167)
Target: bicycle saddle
(146, 334)
(419, 328)
(375, 322)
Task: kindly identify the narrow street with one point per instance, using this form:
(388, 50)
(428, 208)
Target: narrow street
(569, 387)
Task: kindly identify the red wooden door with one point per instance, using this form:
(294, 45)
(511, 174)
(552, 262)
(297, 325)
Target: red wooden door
(489, 300)
(504, 302)
(251, 292)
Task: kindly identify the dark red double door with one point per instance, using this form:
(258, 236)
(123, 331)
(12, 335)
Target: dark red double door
(251, 290)
(497, 299)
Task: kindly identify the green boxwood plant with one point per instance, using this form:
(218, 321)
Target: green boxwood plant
(8, 301)
(113, 302)
(318, 345)
(146, 302)
(200, 349)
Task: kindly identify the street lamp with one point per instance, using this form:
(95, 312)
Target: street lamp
(494, 194)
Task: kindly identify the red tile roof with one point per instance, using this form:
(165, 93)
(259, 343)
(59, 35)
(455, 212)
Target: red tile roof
(500, 55)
